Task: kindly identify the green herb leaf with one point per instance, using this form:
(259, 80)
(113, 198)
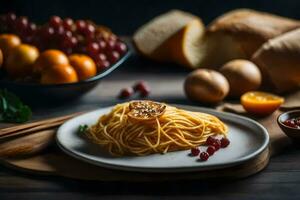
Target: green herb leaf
(12, 108)
(82, 128)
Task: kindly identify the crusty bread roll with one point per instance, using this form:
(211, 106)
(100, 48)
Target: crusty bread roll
(279, 61)
(171, 37)
(241, 32)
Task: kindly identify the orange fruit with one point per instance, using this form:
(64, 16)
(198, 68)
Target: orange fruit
(20, 61)
(261, 103)
(8, 42)
(1, 58)
(83, 65)
(58, 74)
(49, 58)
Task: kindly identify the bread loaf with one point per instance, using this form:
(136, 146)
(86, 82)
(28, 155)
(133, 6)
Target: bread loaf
(172, 37)
(241, 32)
(279, 61)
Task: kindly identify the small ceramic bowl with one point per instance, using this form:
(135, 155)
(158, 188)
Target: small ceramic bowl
(293, 133)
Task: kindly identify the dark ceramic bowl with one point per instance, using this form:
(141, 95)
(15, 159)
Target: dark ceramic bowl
(293, 133)
(33, 92)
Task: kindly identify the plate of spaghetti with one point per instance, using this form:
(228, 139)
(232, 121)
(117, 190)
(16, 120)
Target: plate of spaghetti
(148, 136)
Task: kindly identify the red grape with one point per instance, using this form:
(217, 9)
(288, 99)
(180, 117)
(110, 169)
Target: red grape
(120, 47)
(102, 44)
(74, 41)
(31, 28)
(93, 48)
(69, 42)
(102, 65)
(60, 31)
(89, 30)
(100, 57)
(47, 32)
(55, 21)
(113, 56)
(112, 38)
(67, 23)
(110, 45)
(67, 35)
(80, 25)
(11, 18)
(22, 23)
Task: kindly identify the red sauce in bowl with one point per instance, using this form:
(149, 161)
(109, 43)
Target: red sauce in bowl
(293, 122)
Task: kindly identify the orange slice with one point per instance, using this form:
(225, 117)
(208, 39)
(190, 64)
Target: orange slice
(145, 110)
(261, 103)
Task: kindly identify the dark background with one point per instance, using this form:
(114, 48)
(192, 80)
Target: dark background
(125, 16)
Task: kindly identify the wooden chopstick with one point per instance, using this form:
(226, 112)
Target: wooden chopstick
(35, 126)
(32, 130)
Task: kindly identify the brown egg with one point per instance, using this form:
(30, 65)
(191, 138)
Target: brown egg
(20, 61)
(206, 86)
(83, 65)
(243, 76)
(58, 74)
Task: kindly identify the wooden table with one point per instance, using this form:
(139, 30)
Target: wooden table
(280, 180)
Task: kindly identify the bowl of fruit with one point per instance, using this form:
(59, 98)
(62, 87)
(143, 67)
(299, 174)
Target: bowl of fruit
(61, 59)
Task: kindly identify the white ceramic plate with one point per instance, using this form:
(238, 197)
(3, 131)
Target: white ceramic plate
(247, 137)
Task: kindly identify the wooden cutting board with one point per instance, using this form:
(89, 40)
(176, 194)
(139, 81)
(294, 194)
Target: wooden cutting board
(52, 161)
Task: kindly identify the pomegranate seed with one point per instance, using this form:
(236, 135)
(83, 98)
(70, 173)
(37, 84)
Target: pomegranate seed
(224, 142)
(195, 151)
(142, 87)
(210, 150)
(210, 140)
(217, 144)
(126, 93)
(204, 156)
(145, 92)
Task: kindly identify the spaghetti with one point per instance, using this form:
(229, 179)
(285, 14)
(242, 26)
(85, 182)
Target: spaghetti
(147, 127)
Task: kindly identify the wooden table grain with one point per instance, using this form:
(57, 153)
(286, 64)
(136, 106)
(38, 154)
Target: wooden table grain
(280, 180)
